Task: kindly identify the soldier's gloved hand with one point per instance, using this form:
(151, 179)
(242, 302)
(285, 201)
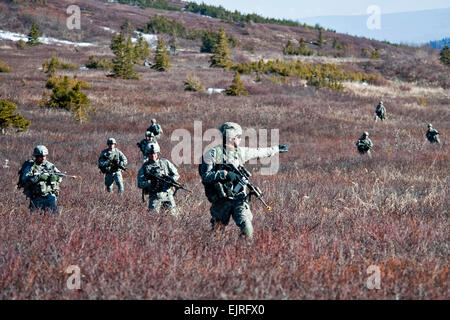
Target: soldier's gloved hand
(222, 174)
(232, 176)
(283, 148)
(43, 176)
(53, 178)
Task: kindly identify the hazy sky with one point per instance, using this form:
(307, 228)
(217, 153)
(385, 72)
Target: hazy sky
(296, 9)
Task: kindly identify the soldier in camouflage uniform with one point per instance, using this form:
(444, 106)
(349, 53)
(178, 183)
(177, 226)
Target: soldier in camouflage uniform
(161, 194)
(432, 134)
(142, 145)
(364, 144)
(155, 129)
(220, 185)
(111, 162)
(380, 112)
(40, 182)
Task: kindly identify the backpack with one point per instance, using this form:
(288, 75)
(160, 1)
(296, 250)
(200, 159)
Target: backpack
(25, 165)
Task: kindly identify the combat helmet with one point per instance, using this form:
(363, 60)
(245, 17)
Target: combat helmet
(149, 134)
(111, 141)
(230, 129)
(152, 148)
(40, 151)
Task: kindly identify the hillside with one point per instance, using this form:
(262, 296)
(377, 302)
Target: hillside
(334, 214)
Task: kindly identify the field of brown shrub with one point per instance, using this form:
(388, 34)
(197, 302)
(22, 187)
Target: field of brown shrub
(334, 213)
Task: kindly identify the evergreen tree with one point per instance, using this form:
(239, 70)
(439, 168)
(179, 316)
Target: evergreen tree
(8, 117)
(337, 44)
(320, 40)
(237, 87)
(67, 93)
(208, 42)
(173, 44)
(127, 28)
(289, 48)
(303, 49)
(34, 35)
(222, 53)
(162, 61)
(445, 56)
(124, 57)
(141, 50)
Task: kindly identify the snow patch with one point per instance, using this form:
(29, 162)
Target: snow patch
(8, 35)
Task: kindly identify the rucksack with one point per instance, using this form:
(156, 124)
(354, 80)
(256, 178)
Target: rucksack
(25, 165)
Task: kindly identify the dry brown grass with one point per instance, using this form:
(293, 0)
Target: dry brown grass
(334, 213)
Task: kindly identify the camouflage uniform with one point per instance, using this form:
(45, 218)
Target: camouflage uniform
(155, 129)
(160, 193)
(380, 111)
(432, 135)
(143, 145)
(219, 190)
(40, 184)
(364, 144)
(110, 162)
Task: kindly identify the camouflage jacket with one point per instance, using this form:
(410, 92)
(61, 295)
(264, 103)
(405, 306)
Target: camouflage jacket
(364, 144)
(155, 129)
(213, 176)
(380, 110)
(34, 186)
(143, 143)
(112, 161)
(432, 134)
(161, 167)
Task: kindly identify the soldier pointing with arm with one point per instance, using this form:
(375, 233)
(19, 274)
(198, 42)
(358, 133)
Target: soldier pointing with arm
(224, 186)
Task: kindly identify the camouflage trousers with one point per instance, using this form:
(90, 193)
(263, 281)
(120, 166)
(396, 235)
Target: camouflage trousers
(116, 177)
(239, 209)
(47, 202)
(163, 200)
(435, 139)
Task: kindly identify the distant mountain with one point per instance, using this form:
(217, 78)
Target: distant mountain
(416, 27)
(440, 44)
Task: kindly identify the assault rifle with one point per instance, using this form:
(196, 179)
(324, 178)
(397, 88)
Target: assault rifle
(243, 175)
(59, 174)
(167, 180)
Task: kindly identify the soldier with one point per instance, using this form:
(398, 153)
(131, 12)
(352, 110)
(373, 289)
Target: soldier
(156, 129)
(432, 134)
(40, 181)
(380, 112)
(364, 144)
(228, 200)
(111, 162)
(149, 138)
(161, 194)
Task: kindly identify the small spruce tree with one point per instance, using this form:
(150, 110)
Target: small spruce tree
(222, 53)
(8, 117)
(337, 44)
(320, 40)
(289, 48)
(445, 56)
(124, 57)
(141, 50)
(208, 42)
(34, 35)
(127, 28)
(237, 87)
(162, 61)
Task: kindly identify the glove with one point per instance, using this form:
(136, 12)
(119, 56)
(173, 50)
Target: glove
(53, 178)
(232, 176)
(44, 177)
(283, 148)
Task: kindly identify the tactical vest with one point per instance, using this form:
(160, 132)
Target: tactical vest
(108, 157)
(40, 188)
(159, 170)
(221, 189)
